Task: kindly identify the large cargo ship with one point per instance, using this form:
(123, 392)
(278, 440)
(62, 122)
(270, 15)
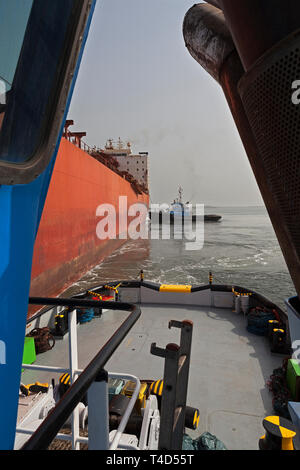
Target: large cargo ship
(67, 245)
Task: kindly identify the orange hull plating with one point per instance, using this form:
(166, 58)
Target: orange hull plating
(67, 246)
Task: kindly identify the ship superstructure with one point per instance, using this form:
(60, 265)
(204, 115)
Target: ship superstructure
(134, 164)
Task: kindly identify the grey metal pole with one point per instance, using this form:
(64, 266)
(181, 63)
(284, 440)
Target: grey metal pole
(73, 358)
(98, 413)
(176, 373)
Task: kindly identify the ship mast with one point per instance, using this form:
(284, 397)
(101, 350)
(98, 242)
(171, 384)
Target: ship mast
(180, 193)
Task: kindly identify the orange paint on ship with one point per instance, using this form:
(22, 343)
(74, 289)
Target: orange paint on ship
(67, 245)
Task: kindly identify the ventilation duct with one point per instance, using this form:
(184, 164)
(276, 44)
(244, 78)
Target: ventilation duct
(256, 65)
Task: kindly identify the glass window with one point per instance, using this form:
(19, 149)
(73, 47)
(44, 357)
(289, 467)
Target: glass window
(32, 38)
(13, 21)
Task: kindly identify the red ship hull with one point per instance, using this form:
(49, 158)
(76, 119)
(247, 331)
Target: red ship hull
(67, 245)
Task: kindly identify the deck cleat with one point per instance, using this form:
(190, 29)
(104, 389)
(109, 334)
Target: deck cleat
(279, 434)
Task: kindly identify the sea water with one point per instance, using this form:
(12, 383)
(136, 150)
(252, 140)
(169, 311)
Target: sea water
(241, 249)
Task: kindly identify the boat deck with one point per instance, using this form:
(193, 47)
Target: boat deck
(228, 372)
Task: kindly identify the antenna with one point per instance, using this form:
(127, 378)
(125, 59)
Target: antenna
(120, 144)
(180, 193)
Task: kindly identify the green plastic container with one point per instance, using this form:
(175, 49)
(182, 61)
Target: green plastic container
(293, 378)
(115, 387)
(29, 354)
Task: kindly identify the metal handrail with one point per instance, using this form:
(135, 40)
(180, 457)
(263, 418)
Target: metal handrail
(50, 427)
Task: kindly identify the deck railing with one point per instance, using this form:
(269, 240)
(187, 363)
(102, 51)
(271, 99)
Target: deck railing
(92, 380)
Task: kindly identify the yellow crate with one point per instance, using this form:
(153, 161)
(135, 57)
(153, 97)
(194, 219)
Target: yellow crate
(128, 390)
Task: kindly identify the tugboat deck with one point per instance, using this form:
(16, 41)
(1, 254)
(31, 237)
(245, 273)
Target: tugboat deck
(228, 370)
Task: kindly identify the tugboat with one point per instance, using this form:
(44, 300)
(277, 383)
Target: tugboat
(224, 375)
(180, 210)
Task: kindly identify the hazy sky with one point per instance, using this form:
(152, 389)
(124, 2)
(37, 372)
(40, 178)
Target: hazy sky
(138, 82)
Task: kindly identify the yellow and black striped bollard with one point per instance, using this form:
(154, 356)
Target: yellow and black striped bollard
(192, 415)
(279, 434)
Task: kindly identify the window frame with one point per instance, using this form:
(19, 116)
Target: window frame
(26, 172)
